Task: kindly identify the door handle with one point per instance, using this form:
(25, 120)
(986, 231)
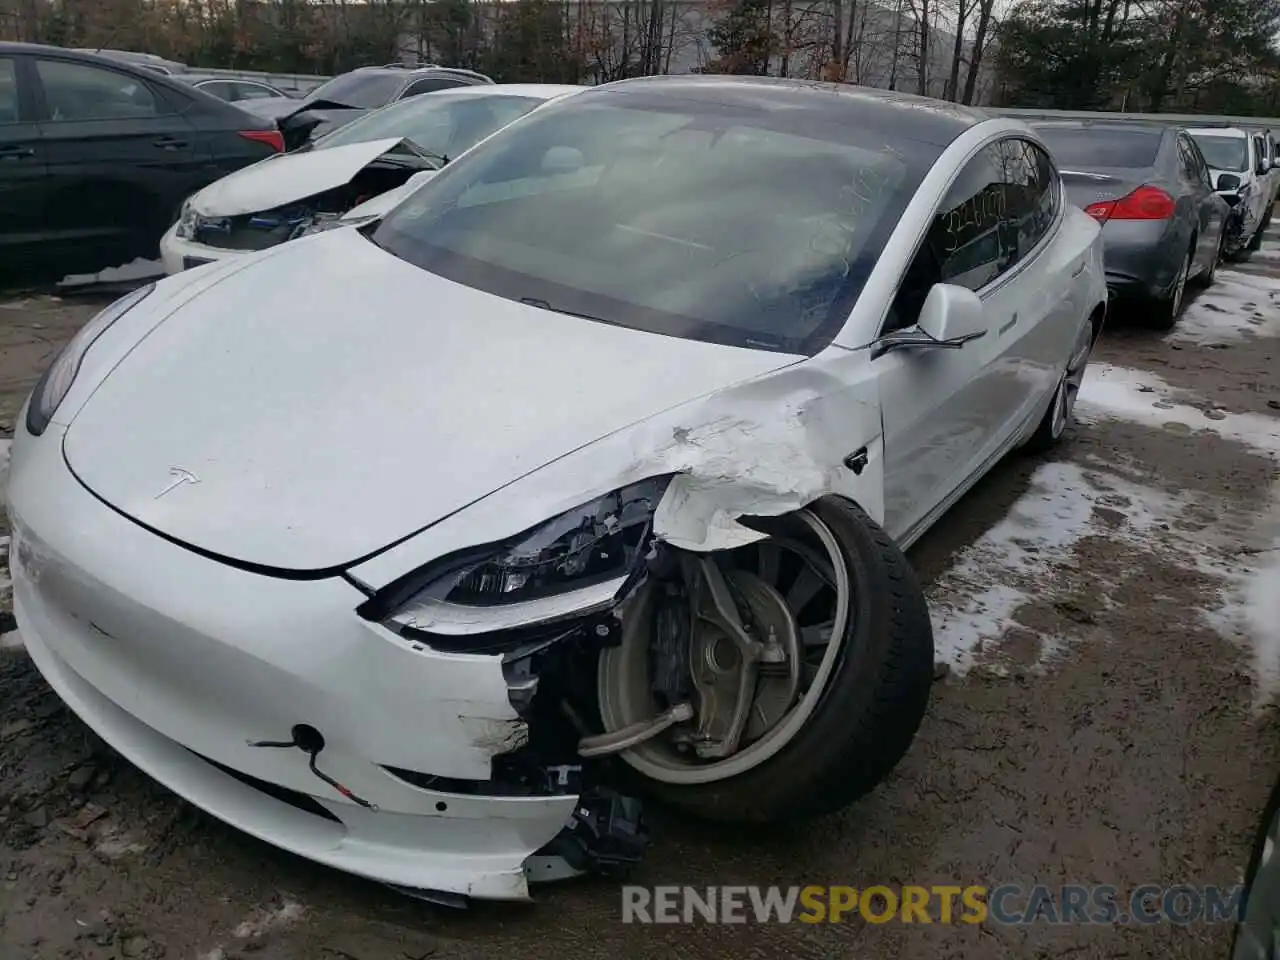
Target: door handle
(169, 143)
(16, 153)
(1079, 270)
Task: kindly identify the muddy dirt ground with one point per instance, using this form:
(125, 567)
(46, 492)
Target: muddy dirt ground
(1107, 636)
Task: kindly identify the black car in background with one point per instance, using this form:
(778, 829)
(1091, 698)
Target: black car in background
(97, 155)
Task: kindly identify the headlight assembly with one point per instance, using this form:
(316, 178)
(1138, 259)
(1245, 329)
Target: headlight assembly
(569, 566)
(57, 380)
(187, 221)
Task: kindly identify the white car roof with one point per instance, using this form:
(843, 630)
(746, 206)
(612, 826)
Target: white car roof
(1233, 133)
(542, 91)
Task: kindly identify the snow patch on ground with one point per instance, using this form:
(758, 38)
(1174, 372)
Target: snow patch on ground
(1239, 306)
(265, 921)
(134, 270)
(1249, 612)
(1016, 561)
(1121, 393)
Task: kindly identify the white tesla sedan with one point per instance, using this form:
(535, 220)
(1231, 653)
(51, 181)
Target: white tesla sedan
(416, 548)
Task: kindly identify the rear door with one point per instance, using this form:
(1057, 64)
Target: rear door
(1198, 185)
(22, 171)
(121, 157)
(1038, 305)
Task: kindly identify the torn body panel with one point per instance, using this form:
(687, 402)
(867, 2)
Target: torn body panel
(764, 447)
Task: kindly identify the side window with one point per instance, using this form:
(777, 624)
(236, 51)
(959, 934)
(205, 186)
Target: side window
(1259, 150)
(1031, 196)
(1187, 160)
(218, 88)
(430, 84)
(1202, 167)
(8, 91)
(77, 91)
(253, 91)
(966, 244)
(1049, 203)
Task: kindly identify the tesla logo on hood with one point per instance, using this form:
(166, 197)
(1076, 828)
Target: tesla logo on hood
(177, 477)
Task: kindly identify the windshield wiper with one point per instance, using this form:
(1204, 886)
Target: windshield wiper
(544, 305)
(438, 159)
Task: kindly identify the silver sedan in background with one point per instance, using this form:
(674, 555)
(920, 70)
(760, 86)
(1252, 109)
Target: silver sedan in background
(1150, 188)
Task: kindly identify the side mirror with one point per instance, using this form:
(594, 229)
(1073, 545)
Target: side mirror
(1228, 181)
(952, 314)
(1262, 167)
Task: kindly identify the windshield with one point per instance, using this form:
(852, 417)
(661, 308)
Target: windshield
(745, 226)
(1081, 148)
(444, 124)
(363, 90)
(1222, 153)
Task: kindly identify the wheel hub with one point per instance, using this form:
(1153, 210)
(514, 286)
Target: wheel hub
(745, 681)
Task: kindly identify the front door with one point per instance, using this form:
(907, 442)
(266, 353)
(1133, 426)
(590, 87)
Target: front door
(944, 409)
(120, 159)
(22, 177)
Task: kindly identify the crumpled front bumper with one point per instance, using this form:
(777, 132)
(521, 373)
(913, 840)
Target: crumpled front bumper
(179, 661)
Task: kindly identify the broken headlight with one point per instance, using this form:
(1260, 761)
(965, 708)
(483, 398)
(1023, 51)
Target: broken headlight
(187, 221)
(570, 565)
(57, 380)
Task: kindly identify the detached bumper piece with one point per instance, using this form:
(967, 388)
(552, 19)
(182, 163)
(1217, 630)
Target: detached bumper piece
(606, 837)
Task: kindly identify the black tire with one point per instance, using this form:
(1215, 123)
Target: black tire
(869, 713)
(1205, 280)
(1255, 242)
(1049, 432)
(1163, 313)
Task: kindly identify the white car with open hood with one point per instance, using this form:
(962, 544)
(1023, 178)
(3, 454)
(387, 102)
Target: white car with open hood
(426, 551)
(390, 150)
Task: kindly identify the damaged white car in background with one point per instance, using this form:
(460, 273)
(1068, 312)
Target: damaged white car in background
(369, 164)
(426, 551)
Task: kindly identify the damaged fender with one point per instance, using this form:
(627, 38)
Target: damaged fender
(765, 447)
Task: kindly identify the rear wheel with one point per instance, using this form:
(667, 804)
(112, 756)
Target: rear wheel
(1164, 312)
(1053, 426)
(1211, 272)
(806, 660)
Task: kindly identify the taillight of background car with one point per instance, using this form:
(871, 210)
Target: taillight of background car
(1145, 203)
(272, 138)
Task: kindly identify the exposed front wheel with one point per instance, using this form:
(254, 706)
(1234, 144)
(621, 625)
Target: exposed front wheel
(787, 677)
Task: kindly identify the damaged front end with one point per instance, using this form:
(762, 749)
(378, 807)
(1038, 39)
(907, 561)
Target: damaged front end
(337, 195)
(624, 653)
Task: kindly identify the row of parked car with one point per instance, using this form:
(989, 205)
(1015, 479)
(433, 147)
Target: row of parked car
(1173, 201)
(99, 152)
(101, 155)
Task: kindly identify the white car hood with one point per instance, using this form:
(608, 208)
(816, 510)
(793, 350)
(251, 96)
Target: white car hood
(288, 177)
(329, 399)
